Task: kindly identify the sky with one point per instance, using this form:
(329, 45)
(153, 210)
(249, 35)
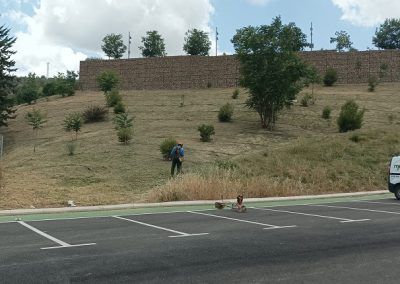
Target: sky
(61, 33)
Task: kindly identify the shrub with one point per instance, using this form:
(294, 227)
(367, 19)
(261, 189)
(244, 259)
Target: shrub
(330, 77)
(125, 135)
(119, 108)
(122, 120)
(226, 165)
(225, 113)
(94, 114)
(113, 98)
(71, 147)
(372, 83)
(49, 89)
(235, 94)
(355, 138)
(206, 130)
(326, 112)
(350, 117)
(124, 127)
(73, 122)
(107, 81)
(166, 147)
(307, 100)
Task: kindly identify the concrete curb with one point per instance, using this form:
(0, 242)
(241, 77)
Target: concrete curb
(176, 203)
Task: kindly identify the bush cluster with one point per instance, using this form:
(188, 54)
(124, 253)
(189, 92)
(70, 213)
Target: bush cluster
(166, 147)
(113, 98)
(350, 117)
(107, 81)
(94, 113)
(119, 108)
(372, 83)
(326, 112)
(225, 113)
(206, 131)
(330, 77)
(307, 99)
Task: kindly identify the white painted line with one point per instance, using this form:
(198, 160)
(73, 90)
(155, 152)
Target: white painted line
(359, 209)
(240, 220)
(377, 202)
(180, 234)
(342, 220)
(279, 227)
(70, 246)
(61, 243)
(188, 235)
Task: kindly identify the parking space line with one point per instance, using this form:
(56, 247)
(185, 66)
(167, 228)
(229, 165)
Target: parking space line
(342, 220)
(179, 234)
(377, 202)
(269, 226)
(60, 242)
(358, 209)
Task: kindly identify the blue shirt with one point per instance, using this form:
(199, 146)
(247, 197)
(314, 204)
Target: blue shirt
(181, 152)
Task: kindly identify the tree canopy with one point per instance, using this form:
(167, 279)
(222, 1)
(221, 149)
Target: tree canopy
(342, 40)
(269, 66)
(153, 45)
(197, 42)
(387, 36)
(113, 46)
(7, 84)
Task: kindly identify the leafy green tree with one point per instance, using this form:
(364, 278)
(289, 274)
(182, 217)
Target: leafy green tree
(270, 69)
(64, 85)
(387, 36)
(124, 127)
(28, 92)
(153, 45)
(312, 78)
(197, 42)
(342, 40)
(73, 122)
(107, 81)
(350, 117)
(49, 89)
(35, 119)
(113, 46)
(7, 84)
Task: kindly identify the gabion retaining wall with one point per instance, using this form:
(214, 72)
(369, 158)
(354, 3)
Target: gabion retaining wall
(191, 72)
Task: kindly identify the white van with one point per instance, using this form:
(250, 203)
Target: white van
(394, 176)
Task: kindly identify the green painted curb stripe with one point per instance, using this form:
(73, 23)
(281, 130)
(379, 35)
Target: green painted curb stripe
(154, 210)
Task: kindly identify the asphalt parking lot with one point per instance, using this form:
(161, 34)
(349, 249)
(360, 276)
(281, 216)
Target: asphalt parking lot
(354, 241)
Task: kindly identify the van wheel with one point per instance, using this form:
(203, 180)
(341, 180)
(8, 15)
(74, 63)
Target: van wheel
(397, 192)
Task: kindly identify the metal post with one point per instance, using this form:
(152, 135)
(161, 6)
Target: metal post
(216, 41)
(129, 45)
(311, 30)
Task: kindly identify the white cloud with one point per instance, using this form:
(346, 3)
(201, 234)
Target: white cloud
(64, 32)
(258, 2)
(368, 13)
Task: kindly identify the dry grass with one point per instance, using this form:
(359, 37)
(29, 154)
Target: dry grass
(304, 155)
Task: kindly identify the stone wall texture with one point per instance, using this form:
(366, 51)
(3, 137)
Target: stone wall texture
(192, 72)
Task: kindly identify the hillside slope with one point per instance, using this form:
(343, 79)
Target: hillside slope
(303, 155)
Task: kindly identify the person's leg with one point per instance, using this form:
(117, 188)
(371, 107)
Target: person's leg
(179, 167)
(173, 167)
